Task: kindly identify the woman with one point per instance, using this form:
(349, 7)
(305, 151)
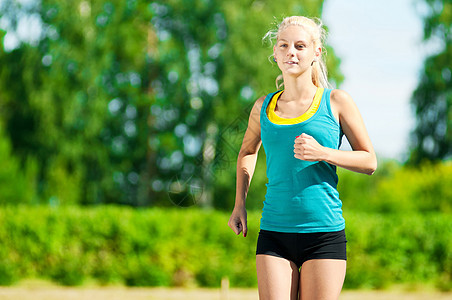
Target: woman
(301, 249)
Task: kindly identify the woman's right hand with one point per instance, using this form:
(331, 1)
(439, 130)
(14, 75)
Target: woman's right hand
(238, 221)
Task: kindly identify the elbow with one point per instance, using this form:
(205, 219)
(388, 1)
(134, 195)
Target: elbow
(370, 172)
(246, 152)
(372, 167)
(242, 154)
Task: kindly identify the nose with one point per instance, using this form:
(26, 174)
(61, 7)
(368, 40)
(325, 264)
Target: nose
(291, 51)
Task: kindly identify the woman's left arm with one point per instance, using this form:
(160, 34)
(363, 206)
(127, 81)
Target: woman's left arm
(362, 159)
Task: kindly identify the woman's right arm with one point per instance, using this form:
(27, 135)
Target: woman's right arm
(246, 163)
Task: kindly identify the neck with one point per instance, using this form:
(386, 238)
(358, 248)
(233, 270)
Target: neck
(300, 87)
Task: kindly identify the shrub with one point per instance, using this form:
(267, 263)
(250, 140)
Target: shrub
(387, 249)
(397, 189)
(189, 247)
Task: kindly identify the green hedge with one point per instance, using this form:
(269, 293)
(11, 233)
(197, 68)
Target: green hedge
(399, 189)
(387, 249)
(188, 247)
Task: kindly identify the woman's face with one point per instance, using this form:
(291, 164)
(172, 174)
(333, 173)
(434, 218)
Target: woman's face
(294, 50)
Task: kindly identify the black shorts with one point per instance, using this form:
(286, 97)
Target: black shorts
(301, 247)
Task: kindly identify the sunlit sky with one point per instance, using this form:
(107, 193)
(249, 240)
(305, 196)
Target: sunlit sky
(380, 44)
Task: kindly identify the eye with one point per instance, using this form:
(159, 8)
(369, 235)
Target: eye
(301, 46)
(283, 45)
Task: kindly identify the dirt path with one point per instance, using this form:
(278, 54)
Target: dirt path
(122, 293)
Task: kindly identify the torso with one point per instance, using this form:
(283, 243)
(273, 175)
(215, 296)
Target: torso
(301, 195)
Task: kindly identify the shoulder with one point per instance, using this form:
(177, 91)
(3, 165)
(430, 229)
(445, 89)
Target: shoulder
(257, 106)
(341, 101)
(259, 102)
(340, 96)
(256, 110)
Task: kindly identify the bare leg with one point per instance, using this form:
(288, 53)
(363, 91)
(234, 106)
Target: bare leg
(277, 278)
(322, 279)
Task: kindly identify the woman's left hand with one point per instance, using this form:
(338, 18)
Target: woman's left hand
(307, 148)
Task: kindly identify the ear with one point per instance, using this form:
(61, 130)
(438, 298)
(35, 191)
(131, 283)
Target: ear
(318, 52)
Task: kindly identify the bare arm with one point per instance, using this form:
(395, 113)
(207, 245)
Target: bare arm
(246, 163)
(362, 159)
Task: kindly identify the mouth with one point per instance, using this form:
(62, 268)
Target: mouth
(292, 62)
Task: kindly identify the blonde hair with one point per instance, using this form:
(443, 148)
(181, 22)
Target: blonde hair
(315, 28)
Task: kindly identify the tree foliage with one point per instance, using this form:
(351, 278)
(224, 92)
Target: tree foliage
(432, 99)
(137, 102)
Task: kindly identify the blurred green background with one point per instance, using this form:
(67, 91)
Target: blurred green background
(120, 124)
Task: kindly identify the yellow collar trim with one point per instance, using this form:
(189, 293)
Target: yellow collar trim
(274, 118)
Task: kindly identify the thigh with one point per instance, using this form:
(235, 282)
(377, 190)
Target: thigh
(277, 278)
(322, 279)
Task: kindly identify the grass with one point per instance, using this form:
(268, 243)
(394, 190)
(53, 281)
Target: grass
(43, 290)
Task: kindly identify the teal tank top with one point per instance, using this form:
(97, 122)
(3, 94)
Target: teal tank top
(301, 196)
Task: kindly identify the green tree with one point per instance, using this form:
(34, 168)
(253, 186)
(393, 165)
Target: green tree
(81, 98)
(137, 102)
(432, 99)
(17, 184)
